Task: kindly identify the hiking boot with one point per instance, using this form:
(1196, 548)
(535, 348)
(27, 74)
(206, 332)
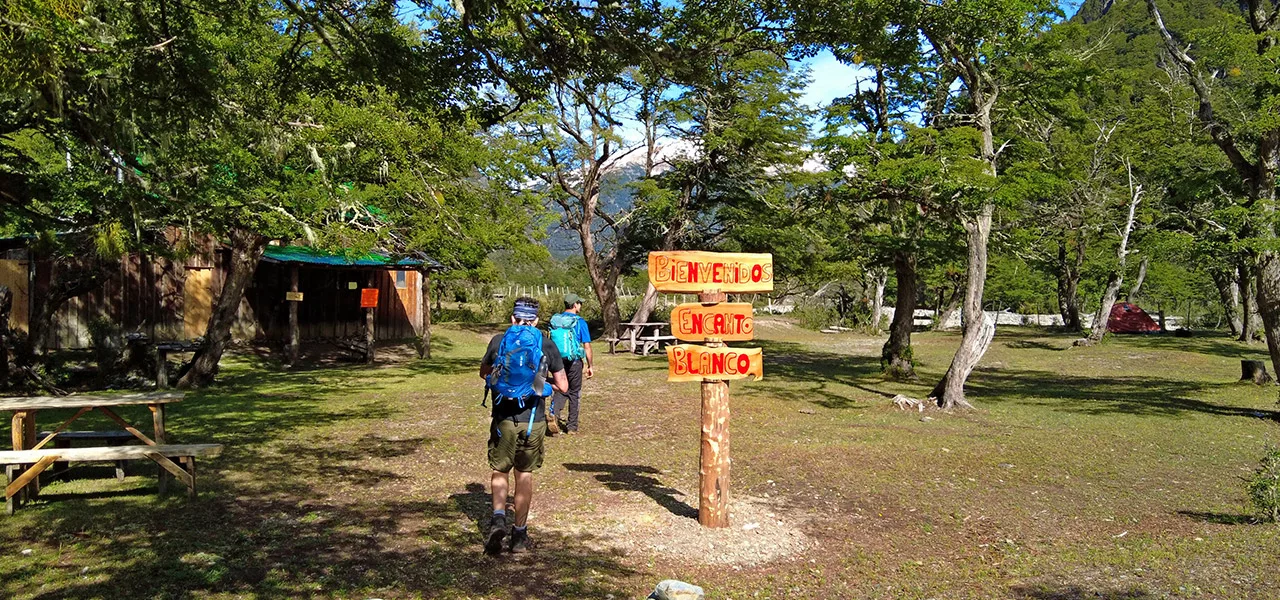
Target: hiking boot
(519, 541)
(497, 530)
(553, 425)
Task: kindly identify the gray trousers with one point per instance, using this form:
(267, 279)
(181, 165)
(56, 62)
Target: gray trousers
(572, 370)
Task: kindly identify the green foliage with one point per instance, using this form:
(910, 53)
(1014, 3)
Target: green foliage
(1264, 486)
(815, 315)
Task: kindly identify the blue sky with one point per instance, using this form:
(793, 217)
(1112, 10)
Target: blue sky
(830, 79)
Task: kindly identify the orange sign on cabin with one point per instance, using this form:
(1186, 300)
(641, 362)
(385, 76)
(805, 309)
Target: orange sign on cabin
(728, 322)
(687, 362)
(368, 297)
(693, 272)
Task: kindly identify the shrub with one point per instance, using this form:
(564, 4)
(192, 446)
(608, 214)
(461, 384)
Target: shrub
(815, 316)
(1264, 486)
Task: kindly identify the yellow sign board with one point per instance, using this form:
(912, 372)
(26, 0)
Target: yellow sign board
(727, 322)
(293, 296)
(686, 362)
(695, 272)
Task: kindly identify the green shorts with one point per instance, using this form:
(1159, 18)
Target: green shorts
(511, 445)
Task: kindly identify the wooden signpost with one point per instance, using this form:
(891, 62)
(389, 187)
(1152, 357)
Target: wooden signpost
(711, 275)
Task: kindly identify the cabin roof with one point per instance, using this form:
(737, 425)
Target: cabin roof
(312, 256)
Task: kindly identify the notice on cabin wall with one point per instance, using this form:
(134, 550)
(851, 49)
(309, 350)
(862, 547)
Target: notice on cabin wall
(369, 298)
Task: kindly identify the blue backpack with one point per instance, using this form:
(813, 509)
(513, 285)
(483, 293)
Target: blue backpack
(564, 332)
(518, 369)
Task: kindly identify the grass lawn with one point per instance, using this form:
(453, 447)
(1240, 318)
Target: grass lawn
(1107, 472)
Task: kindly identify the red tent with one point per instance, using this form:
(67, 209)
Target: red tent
(1128, 318)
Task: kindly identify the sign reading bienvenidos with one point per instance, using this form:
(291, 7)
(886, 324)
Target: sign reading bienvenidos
(695, 272)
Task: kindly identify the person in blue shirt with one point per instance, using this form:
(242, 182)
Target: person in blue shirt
(572, 337)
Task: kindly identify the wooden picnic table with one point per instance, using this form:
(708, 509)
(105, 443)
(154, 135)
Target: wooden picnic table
(634, 333)
(24, 411)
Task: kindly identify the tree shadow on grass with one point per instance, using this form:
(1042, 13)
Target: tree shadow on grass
(795, 363)
(293, 539)
(1075, 592)
(1153, 396)
(1218, 518)
(637, 478)
(811, 376)
(1030, 344)
(1211, 344)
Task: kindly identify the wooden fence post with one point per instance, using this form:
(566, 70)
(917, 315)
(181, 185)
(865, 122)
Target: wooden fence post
(368, 325)
(293, 317)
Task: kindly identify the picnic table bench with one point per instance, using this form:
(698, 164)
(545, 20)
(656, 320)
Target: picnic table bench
(634, 336)
(19, 478)
(29, 456)
(656, 342)
(108, 438)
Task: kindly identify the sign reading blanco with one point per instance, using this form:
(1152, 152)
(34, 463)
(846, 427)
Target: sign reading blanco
(695, 272)
(726, 322)
(687, 362)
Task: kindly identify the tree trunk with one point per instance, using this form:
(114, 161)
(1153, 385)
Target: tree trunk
(977, 328)
(877, 278)
(1269, 302)
(1116, 278)
(1255, 371)
(67, 281)
(608, 296)
(246, 252)
(604, 278)
(424, 349)
(946, 309)
(1142, 276)
(647, 304)
(1229, 296)
(1109, 296)
(1248, 303)
(1069, 284)
(895, 357)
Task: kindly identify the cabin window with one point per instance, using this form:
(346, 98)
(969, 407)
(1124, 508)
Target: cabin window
(402, 279)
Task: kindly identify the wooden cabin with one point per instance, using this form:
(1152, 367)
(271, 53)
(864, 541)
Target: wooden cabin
(171, 299)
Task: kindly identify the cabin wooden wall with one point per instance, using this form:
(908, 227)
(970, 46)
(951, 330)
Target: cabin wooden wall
(330, 308)
(170, 299)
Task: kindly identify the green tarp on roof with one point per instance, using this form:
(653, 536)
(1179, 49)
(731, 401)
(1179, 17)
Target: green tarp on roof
(312, 256)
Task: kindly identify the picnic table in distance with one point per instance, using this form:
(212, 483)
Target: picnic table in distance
(634, 333)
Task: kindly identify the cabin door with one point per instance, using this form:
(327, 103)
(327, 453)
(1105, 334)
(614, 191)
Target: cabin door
(197, 301)
(13, 273)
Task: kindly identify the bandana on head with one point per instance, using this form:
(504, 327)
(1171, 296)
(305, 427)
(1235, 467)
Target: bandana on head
(525, 311)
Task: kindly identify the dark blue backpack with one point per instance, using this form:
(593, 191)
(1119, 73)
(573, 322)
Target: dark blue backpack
(517, 374)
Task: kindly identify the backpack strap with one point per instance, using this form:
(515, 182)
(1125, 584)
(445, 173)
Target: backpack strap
(533, 414)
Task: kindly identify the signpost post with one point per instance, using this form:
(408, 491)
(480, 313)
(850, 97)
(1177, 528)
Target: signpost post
(713, 321)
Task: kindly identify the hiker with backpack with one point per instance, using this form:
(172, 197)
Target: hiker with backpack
(516, 368)
(573, 339)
